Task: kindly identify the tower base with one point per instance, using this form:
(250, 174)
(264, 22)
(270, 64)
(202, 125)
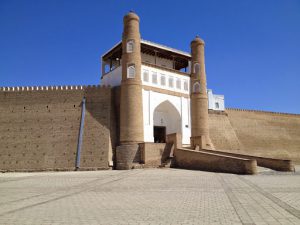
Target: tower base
(127, 156)
(203, 142)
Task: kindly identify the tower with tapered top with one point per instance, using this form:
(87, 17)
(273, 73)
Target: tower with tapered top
(131, 108)
(131, 120)
(199, 100)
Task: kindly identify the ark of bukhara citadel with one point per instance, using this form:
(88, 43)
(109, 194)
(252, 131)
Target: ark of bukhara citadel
(152, 109)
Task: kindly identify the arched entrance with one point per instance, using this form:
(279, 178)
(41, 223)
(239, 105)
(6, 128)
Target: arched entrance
(166, 120)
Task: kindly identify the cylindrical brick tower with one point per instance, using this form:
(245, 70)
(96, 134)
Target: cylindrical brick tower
(131, 107)
(199, 100)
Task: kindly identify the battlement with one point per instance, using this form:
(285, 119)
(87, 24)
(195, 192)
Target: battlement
(39, 127)
(52, 88)
(262, 111)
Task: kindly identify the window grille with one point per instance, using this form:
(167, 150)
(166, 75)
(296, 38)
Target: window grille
(146, 75)
(130, 46)
(163, 80)
(196, 87)
(178, 84)
(185, 85)
(131, 71)
(154, 78)
(171, 82)
(196, 67)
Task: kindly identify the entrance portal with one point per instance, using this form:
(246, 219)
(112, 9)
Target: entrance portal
(166, 120)
(159, 134)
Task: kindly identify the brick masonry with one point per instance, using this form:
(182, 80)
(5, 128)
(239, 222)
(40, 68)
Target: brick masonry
(154, 154)
(209, 161)
(257, 132)
(39, 128)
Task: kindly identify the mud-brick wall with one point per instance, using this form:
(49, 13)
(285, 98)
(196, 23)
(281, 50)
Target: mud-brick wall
(258, 133)
(39, 128)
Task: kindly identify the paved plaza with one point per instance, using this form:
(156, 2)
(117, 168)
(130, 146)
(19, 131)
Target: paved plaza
(149, 196)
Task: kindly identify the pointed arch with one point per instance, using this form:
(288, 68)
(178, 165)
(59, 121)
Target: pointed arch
(196, 87)
(130, 46)
(167, 104)
(168, 117)
(130, 71)
(196, 68)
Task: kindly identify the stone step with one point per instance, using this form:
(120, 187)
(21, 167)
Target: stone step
(167, 163)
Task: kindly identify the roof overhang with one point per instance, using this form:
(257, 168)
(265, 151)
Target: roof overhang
(151, 46)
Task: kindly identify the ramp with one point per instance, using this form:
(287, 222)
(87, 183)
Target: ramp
(272, 163)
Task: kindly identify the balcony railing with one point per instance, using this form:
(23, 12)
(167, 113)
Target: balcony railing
(165, 68)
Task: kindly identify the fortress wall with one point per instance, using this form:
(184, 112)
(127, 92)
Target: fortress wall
(39, 128)
(257, 132)
(221, 132)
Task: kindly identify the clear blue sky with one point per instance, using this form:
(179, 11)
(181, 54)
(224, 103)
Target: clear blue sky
(252, 47)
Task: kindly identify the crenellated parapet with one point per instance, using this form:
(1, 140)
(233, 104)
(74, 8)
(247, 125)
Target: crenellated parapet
(52, 88)
(39, 127)
(261, 111)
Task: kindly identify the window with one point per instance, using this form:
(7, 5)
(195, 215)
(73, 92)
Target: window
(184, 70)
(154, 78)
(196, 68)
(196, 87)
(171, 82)
(106, 68)
(130, 46)
(163, 80)
(178, 84)
(217, 105)
(185, 85)
(131, 71)
(146, 75)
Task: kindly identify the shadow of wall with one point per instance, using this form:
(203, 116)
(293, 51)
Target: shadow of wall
(39, 128)
(259, 133)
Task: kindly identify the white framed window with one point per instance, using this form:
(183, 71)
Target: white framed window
(130, 71)
(178, 83)
(154, 78)
(185, 85)
(163, 80)
(217, 105)
(196, 68)
(146, 75)
(130, 46)
(196, 87)
(171, 82)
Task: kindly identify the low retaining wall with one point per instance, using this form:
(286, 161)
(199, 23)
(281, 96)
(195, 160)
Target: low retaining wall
(201, 160)
(176, 139)
(151, 153)
(275, 164)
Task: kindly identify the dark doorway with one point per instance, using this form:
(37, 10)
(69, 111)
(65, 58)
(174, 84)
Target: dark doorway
(159, 134)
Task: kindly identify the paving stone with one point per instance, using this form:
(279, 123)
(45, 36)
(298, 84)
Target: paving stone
(148, 196)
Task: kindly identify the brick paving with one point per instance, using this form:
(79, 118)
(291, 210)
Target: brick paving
(149, 196)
